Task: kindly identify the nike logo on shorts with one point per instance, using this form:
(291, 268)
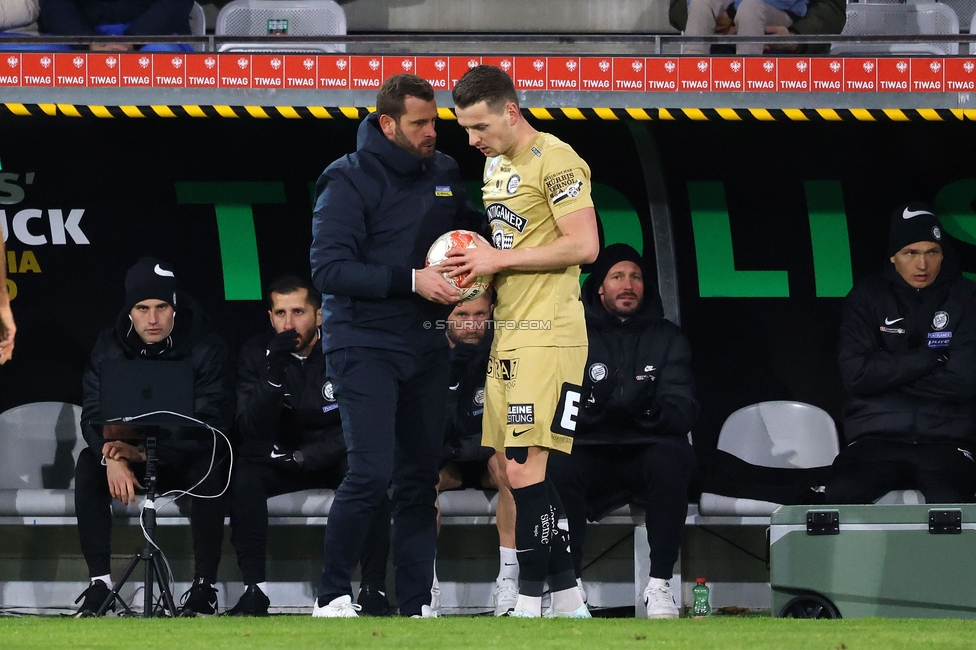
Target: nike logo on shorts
(516, 434)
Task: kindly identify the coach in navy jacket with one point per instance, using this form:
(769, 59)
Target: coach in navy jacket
(907, 356)
(377, 213)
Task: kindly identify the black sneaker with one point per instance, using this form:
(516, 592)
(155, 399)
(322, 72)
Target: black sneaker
(94, 596)
(252, 603)
(372, 601)
(199, 600)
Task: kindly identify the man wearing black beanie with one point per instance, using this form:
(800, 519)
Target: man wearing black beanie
(638, 406)
(907, 356)
(158, 321)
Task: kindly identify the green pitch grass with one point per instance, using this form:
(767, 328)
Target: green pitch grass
(458, 633)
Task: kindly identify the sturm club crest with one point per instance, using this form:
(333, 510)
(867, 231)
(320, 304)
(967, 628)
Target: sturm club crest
(940, 320)
(597, 371)
(479, 397)
(936, 233)
(513, 183)
(328, 393)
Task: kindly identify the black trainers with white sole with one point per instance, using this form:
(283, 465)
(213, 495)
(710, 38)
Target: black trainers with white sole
(93, 598)
(199, 600)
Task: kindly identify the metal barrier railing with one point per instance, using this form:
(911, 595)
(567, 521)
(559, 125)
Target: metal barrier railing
(507, 44)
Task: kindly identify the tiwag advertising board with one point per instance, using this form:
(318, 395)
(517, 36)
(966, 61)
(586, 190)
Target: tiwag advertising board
(771, 225)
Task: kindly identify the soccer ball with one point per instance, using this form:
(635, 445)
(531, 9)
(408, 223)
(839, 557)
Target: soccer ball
(458, 239)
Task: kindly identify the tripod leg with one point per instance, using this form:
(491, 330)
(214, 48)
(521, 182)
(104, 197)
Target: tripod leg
(164, 589)
(118, 585)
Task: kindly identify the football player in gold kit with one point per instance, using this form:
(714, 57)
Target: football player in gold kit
(537, 199)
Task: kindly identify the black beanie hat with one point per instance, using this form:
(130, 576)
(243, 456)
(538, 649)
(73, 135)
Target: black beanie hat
(612, 255)
(913, 222)
(150, 279)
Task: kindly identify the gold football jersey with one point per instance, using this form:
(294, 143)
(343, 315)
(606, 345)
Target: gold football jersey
(523, 199)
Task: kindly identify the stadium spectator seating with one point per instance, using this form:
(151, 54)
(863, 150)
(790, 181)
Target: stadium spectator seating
(316, 18)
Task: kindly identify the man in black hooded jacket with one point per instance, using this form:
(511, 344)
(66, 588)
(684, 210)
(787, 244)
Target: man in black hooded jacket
(158, 323)
(377, 212)
(640, 404)
(907, 357)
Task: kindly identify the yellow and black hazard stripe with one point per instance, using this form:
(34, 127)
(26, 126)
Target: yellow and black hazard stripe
(593, 114)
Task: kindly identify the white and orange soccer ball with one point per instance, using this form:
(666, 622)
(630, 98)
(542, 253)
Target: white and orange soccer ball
(459, 239)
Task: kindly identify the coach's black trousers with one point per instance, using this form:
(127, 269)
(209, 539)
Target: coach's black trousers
(254, 483)
(393, 411)
(595, 478)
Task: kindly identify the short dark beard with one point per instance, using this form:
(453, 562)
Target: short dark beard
(401, 141)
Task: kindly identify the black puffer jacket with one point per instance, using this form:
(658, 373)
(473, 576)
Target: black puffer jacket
(300, 414)
(466, 403)
(192, 340)
(638, 385)
(908, 357)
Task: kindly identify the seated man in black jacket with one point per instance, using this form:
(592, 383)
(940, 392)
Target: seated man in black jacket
(158, 323)
(122, 18)
(290, 440)
(464, 462)
(908, 361)
(632, 444)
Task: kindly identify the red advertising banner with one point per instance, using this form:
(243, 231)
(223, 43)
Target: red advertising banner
(70, 70)
(563, 73)
(695, 74)
(596, 73)
(334, 72)
(136, 70)
(662, 75)
(268, 71)
(10, 70)
(436, 70)
(827, 75)
(530, 73)
(760, 75)
(793, 75)
(860, 75)
(960, 75)
(729, 74)
(170, 70)
(894, 75)
(366, 72)
(628, 74)
(458, 65)
(928, 75)
(38, 69)
(300, 71)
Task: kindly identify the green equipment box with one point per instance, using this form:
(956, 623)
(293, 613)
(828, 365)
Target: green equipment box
(915, 561)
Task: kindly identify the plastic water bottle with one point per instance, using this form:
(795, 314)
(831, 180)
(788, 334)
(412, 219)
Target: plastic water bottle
(701, 608)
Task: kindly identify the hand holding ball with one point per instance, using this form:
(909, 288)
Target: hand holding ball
(459, 239)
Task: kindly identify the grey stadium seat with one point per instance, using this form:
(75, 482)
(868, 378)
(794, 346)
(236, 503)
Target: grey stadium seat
(895, 20)
(317, 18)
(779, 434)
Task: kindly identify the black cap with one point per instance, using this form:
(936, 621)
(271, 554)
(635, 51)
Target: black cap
(612, 255)
(913, 222)
(150, 279)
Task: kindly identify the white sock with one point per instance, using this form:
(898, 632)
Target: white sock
(263, 586)
(567, 600)
(508, 568)
(530, 604)
(107, 579)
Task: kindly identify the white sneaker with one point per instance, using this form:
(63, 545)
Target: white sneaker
(341, 607)
(427, 612)
(582, 612)
(659, 599)
(504, 596)
(435, 597)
